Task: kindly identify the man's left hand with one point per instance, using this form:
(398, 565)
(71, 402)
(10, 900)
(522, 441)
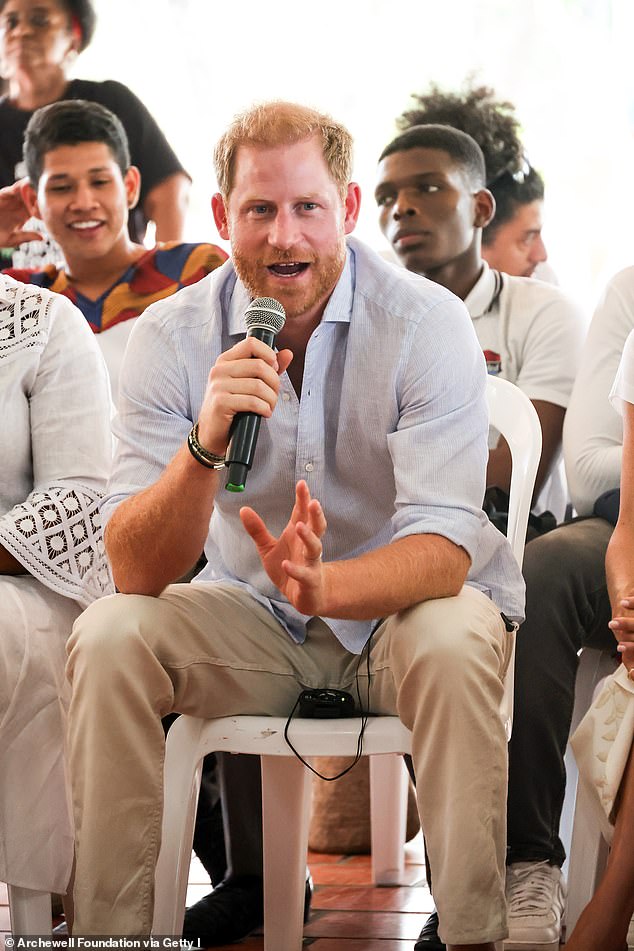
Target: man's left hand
(293, 561)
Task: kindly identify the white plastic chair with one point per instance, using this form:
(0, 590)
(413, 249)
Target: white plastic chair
(286, 783)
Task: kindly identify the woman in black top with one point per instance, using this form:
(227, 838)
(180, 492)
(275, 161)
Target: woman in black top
(39, 41)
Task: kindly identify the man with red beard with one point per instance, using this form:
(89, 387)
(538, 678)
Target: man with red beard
(366, 424)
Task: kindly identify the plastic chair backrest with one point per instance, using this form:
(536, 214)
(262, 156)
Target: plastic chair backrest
(514, 416)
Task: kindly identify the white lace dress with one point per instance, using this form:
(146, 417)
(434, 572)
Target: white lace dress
(55, 448)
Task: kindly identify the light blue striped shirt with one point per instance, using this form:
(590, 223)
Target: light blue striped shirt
(390, 433)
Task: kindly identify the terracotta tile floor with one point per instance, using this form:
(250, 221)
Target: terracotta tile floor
(348, 914)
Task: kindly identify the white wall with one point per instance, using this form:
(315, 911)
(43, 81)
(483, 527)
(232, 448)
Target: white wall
(563, 62)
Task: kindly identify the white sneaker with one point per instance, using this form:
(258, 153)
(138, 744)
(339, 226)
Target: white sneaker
(536, 895)
(630, 935)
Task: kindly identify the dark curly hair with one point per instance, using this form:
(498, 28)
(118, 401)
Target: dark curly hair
(494, 126)
(85, 15)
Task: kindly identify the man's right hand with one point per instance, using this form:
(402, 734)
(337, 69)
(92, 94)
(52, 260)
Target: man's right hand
(244, 379)
(14, 214)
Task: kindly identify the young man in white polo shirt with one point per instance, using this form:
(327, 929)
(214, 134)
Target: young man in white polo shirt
(432, 208)
(512, 241)
(530, 332)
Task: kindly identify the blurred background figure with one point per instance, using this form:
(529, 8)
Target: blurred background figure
(39, 43)
(512, 242)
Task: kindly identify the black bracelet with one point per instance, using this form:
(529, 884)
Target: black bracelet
(210, 460)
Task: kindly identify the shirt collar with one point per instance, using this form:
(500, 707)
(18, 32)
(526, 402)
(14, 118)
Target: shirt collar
(479, 298)
(338, 309)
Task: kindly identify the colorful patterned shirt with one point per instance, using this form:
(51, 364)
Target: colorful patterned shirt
(157, 274)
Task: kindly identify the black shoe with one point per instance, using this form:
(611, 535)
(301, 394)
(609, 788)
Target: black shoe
(308, 895)
(428, 939)
(209, 833)
(233, 910)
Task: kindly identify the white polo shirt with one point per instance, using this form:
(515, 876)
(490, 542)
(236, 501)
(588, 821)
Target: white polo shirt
(593, 432)
(531, 335)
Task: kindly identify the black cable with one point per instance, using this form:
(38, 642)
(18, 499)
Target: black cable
(364, 717)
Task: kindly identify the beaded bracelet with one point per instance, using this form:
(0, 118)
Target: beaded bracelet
(210, 460)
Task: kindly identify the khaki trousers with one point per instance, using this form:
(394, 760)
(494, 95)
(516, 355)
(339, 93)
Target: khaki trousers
(210, 650)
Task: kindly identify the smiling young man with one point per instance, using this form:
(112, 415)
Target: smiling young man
(432, 209)
(82, 185)
(366, 425)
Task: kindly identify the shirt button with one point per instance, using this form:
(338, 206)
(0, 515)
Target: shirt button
(309, 467)
(286, 396)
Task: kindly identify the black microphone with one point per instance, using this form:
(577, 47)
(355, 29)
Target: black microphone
(264, 318)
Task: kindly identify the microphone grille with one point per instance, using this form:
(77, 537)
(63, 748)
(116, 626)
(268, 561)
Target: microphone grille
(265, 312)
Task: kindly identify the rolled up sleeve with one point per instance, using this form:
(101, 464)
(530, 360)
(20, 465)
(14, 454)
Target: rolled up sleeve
(439, 449)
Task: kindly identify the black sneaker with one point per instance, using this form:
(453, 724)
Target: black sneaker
(428, 939)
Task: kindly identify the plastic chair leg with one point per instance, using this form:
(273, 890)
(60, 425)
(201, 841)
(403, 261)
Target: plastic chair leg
(30, 911)
(388, 817)
(183, 762)
(286, 794)
(588, 857)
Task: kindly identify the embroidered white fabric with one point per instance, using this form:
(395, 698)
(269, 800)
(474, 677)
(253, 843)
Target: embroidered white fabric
(602, 744)
(57, 535)
(24, 318)
(54, 442)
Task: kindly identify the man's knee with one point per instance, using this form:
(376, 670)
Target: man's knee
(566, 591)
(103, 636)
(545, 563)
(553, 561)
(449, 636)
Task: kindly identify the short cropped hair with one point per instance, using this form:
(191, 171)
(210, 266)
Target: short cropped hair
(284, 123)
(465, 152)
(71, 122)
(80, 11)
(495, 127)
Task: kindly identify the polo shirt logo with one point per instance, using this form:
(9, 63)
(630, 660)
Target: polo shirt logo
(494, 362)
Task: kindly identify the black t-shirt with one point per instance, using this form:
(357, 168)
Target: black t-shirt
(149, 149)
